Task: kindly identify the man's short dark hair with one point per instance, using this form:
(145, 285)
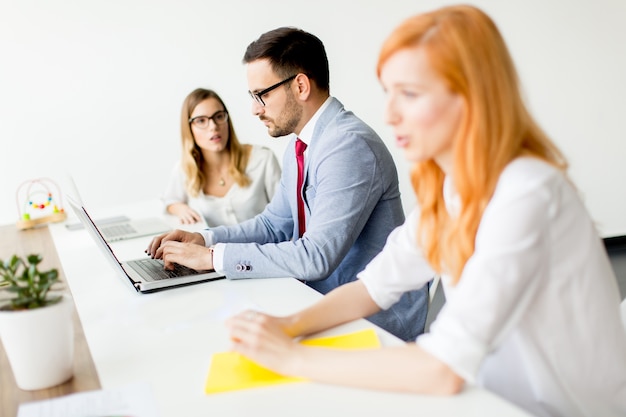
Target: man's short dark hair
(292, 51)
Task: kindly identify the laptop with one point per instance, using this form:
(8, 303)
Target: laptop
(117, 228)
(145, 274)
(114, 229)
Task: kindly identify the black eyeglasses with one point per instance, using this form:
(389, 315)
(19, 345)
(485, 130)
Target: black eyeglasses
(258, 97)
(202, 122)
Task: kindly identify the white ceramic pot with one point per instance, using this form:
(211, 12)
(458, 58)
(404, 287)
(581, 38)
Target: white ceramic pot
(39, 344)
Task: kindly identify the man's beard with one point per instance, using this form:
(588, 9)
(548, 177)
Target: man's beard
(287, 121)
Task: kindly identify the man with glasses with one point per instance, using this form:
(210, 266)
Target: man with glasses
(338, 198)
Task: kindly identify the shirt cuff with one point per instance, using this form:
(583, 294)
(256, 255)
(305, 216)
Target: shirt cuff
(207, 234)
(451, 344)
(218, 257)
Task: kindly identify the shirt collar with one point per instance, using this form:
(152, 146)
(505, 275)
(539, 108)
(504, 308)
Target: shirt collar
(307, 131)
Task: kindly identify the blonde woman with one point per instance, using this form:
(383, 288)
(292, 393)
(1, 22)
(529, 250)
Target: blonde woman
(218, 178)
(532, 309)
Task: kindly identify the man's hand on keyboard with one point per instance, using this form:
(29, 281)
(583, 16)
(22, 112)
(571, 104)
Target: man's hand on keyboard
(190, 255)
(156, 247)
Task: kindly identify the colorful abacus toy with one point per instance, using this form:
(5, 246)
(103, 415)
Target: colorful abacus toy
(37, 204)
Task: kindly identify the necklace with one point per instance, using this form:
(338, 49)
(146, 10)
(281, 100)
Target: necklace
(215, 173)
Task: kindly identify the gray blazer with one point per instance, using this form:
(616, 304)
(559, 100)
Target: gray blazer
(352, 203)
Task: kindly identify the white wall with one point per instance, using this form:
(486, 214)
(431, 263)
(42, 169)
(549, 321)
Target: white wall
(90, 84)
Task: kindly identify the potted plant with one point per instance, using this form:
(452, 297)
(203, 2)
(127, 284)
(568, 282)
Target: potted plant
(35, 324)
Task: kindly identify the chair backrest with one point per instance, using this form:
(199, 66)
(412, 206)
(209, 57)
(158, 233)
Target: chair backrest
(432, 288)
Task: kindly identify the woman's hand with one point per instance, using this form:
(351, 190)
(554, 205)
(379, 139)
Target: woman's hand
(264, 340)
(186, 214)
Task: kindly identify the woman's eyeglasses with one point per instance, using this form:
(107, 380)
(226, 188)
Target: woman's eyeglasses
(202, 122)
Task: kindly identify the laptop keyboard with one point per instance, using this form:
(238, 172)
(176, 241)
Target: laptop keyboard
(117, 230)
(153, 269)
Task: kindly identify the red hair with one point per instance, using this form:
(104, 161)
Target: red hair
(466, 49)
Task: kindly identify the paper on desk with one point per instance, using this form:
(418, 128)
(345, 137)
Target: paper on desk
(136, 400)
(231, 371)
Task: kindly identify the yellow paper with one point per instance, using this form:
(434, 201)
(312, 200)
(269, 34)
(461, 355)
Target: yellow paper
(231, 371)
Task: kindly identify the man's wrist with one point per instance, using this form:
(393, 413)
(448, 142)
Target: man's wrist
(211, 251)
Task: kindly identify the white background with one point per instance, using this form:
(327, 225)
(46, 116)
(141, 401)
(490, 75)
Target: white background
(94, 88)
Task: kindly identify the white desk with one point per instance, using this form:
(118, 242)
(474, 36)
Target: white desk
(167, 339)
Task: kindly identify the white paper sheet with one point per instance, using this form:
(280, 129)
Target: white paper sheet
(134, 400)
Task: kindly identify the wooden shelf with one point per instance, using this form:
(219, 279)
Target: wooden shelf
(23, 243)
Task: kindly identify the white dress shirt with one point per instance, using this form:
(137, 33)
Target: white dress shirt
(535, 316)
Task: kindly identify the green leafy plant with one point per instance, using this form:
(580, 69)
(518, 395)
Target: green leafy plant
(29, 286)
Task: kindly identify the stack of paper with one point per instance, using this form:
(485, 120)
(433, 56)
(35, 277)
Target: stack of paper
(231, 371)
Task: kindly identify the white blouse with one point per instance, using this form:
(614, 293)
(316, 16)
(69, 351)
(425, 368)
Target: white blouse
(239, 203)
(535, 316)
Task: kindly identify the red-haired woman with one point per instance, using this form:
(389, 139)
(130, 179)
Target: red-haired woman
(532, 308)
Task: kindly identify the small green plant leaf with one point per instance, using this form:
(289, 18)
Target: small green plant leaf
(29, 285)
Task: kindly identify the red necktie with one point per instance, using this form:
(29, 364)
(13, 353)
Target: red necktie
(300, 147)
